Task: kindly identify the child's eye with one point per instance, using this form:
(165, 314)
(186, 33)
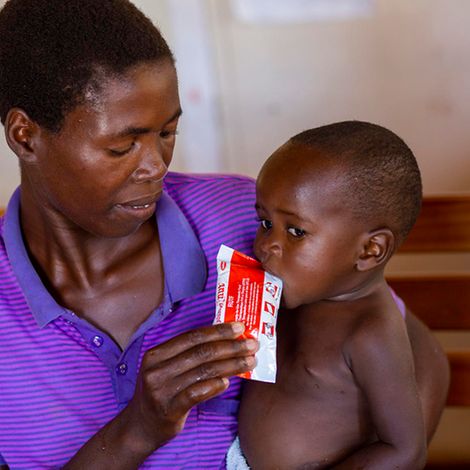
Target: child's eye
(266, 224)
(296, 232)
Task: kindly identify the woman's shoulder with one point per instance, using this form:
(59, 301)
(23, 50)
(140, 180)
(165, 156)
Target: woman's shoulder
(177, 181)
(211, 192)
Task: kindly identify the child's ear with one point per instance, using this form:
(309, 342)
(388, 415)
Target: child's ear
(20, 133)
(377, 248)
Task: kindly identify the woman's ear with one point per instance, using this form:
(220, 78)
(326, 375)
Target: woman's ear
(377, 248)
(20, 133)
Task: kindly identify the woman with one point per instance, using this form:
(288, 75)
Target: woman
(107, 262)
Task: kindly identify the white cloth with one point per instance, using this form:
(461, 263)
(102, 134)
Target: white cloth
(235, 457)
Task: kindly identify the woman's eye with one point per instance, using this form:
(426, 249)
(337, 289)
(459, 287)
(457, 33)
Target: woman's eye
(121, 152)
(165, 134)
(266, 224)
(296, 232)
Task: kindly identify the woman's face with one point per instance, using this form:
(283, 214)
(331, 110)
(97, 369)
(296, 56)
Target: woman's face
(103, 172)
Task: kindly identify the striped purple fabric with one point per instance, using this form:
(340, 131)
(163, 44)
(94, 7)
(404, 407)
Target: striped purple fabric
(62, 379)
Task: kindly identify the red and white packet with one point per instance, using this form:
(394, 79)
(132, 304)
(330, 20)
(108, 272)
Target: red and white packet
(248, 294)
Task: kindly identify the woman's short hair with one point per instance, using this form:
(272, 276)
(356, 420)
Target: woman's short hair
(52, 52)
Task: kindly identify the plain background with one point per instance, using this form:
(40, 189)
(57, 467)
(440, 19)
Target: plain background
(246, 87)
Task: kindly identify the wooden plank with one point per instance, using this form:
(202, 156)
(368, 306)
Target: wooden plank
(459, 390)
(443, 225)
(462, 465)
(441, 302)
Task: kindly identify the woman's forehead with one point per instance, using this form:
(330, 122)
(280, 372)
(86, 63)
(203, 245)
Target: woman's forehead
(105, 85)
(146, 96)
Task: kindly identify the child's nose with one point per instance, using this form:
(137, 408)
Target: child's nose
(269, 245)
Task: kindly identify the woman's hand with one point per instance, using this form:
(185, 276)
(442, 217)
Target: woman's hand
(179, 374)
(174, 377)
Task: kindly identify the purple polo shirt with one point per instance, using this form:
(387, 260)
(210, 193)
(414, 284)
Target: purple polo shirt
(62, 379)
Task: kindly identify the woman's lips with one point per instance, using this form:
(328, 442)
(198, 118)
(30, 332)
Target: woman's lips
(143, 206)
(139, 206)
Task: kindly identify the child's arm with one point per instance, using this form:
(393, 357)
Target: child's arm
(381, 360)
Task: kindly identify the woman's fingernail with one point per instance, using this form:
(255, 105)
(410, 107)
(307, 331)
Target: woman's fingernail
(238, 328)
(251, 344)
(251, 362)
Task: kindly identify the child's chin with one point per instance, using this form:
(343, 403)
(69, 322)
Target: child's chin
(288, 304)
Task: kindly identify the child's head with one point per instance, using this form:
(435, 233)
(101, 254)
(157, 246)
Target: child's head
(335, 202)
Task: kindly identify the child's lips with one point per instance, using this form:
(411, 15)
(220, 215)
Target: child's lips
(266, 268)
(266, 264)
(270, 271)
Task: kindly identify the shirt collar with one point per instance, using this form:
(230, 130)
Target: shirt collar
(184, 263)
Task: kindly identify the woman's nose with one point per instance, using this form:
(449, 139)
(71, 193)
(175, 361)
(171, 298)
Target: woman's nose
(151, 167)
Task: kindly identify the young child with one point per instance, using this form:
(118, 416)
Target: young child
(334, 204)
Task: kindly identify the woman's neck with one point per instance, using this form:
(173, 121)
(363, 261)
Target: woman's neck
(64, 252)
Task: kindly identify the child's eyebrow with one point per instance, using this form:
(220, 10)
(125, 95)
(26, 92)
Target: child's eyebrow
(293, 214)
(289, 213)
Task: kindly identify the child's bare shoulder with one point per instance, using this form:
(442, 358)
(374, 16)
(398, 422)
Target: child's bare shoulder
(375, 329)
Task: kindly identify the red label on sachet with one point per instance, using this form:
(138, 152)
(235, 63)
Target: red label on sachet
(248, 294)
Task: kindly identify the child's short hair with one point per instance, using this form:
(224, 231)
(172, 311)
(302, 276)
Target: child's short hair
(381, 175)
(51, 50)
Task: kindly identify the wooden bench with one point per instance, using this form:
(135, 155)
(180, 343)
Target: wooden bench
(442, 301)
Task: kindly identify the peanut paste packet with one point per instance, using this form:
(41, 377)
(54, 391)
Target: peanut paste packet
(248, 294)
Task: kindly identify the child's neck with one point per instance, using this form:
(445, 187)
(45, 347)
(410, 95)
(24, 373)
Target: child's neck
(371, 285)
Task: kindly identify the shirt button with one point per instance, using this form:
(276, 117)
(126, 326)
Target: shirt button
(97, 341)
(122, 368)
